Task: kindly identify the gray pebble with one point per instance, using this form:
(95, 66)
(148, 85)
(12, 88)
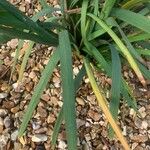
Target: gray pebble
(7, 122)
(3, 112)
(14, 135)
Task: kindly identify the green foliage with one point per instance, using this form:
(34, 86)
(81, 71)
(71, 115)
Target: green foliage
(105, 35)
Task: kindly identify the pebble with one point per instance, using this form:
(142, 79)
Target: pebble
(14, 135)
(7, 122)
(39, 138)
(138, 122)
(142, 112)
(3, 112)
(134, 145)
(13, 43)
(139, 138)
(144, 125)
(80, 123)
(15, 109)
(36, 125)
(94, 115)
(8, 104)
(17, 146)
(3, 95)
(1, 128)
(42, 112)
(51, 118)
(4, 139)
(62, 145)
(1, 121)
(80, 101)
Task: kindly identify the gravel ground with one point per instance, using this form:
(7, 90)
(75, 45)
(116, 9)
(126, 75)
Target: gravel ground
(92, 125)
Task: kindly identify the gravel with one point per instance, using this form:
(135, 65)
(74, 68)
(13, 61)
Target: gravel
(91, 123)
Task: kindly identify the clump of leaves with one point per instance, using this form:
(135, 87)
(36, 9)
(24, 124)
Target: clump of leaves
(105, 35)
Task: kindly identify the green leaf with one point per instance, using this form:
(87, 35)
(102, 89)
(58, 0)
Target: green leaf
(121, 46)
(48, 36)
(116, 86)
(106, 9)
(43, 3)
(46, 74)
(68, 89)
(25, 59)
(60, 117)
(132, 18)
(4, 38)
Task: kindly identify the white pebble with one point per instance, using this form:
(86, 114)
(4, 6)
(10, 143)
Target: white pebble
(62, 145)
(3, 95)
(14, 135)
(144, 125)
(39, 138)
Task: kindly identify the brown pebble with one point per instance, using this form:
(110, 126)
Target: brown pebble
(8, 104)
(139, 138)
(1, 128)
(45, 97)
(94, 115)
(15, 109)
(42, 112)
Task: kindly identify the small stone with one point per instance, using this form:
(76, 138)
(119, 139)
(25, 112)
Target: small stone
(28, 1)
(51, 118)
(45, 97)
(144, 125)
(41, 130)
(94, 115)
(132, 112)
(1, 128)
(14, 135)
(3, 95)
(139, 148)
(7, 122)
(3, 112)
(8, 104)
(17, 146)
(62, 145)
(80, 101)
(1, 121)
(15, 109)
(134, 145)
(32, 75)
(139, 138)
(22, 8)
(142, 112)
(138, 122)
(75, 70)
(4, 139)
(42, 112)
(39, 138)
(80, 123)
(36, 125)
(13, 43)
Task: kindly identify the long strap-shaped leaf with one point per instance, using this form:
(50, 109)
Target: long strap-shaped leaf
(122, 47)
(116, 85)
(68, 89)
(108, 5)
(49, 36)
(47, 73)
(132, 18)
(60, 117)
(101, 102)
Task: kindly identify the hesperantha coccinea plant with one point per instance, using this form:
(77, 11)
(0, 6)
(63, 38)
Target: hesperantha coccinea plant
(104, 34)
